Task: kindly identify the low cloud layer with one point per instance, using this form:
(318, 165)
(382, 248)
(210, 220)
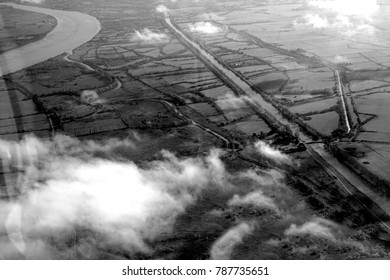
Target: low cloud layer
(318, 227)
(223, 248)
(256, 198)
(347, 17)
(204, 27)
(33, 1)
(91, 97)
(148, 36)
(340, 59)
(211, 17)
(364, 8)
(271, 153)
(162, 9)
(71, 201)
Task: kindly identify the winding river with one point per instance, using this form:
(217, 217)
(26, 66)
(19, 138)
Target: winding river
(72, 30)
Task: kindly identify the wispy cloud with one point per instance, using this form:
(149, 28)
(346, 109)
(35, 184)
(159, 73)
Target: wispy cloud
(204, 27)
(91, 97)
(313, 20)
(162, 9)
(146, 35)
(73, 201)
(33, 1)
(271, 153)
(211, 16)
(222, 249)
(255, 198)
(318, 227)
(348, 17)
(364, 8)
(340, 59)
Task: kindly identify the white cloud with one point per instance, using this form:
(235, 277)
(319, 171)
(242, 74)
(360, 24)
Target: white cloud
(211, 16)
(255, 198)
(340, 59)
(271, 153)
(33, 1)
(146, 35)
(162, 9)
(72, 200)
(222, 249)
(204, 27)
(91, 97)
(316, 21)
(318, 227)
(365, 8)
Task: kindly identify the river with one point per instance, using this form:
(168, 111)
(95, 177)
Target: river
(72, 30)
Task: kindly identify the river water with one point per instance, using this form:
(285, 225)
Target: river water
(72, 30)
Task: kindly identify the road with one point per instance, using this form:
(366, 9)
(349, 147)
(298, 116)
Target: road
(342, 174)
(341, 92)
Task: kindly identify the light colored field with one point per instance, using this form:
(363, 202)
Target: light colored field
(270, 82)
(235, 46)
(259, 52)
(173, 48)
(303, 80)
(377, 104)
(294, 97)
(374, 137)
(377, 159)
(366, 85)
(253, 68)
(217, 92)
(250, 126)
(233, 115)
(184, 63)
(315, 106)
(205, 109)
(152, 68)
(324, 123)
(288, 66)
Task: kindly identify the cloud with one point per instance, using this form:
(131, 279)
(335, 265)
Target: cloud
(271, 153)
(365, 8)
(204, 27)
(316, 21)
(222, 249)
(33, 1)
(162, 9)
(211, 17)
(91, 97)
(349, 18)
(256, 198)
(318, 227)
(340, 59)
(146, 35)
(73, 201)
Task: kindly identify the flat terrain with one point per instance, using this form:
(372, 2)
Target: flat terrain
(136, 101)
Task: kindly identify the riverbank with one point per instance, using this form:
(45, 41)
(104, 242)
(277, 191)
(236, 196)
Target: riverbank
(73, 29)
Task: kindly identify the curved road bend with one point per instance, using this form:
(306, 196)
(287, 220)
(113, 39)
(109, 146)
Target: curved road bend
(343, 175)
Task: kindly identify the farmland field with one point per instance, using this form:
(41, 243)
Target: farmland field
(198, 129)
